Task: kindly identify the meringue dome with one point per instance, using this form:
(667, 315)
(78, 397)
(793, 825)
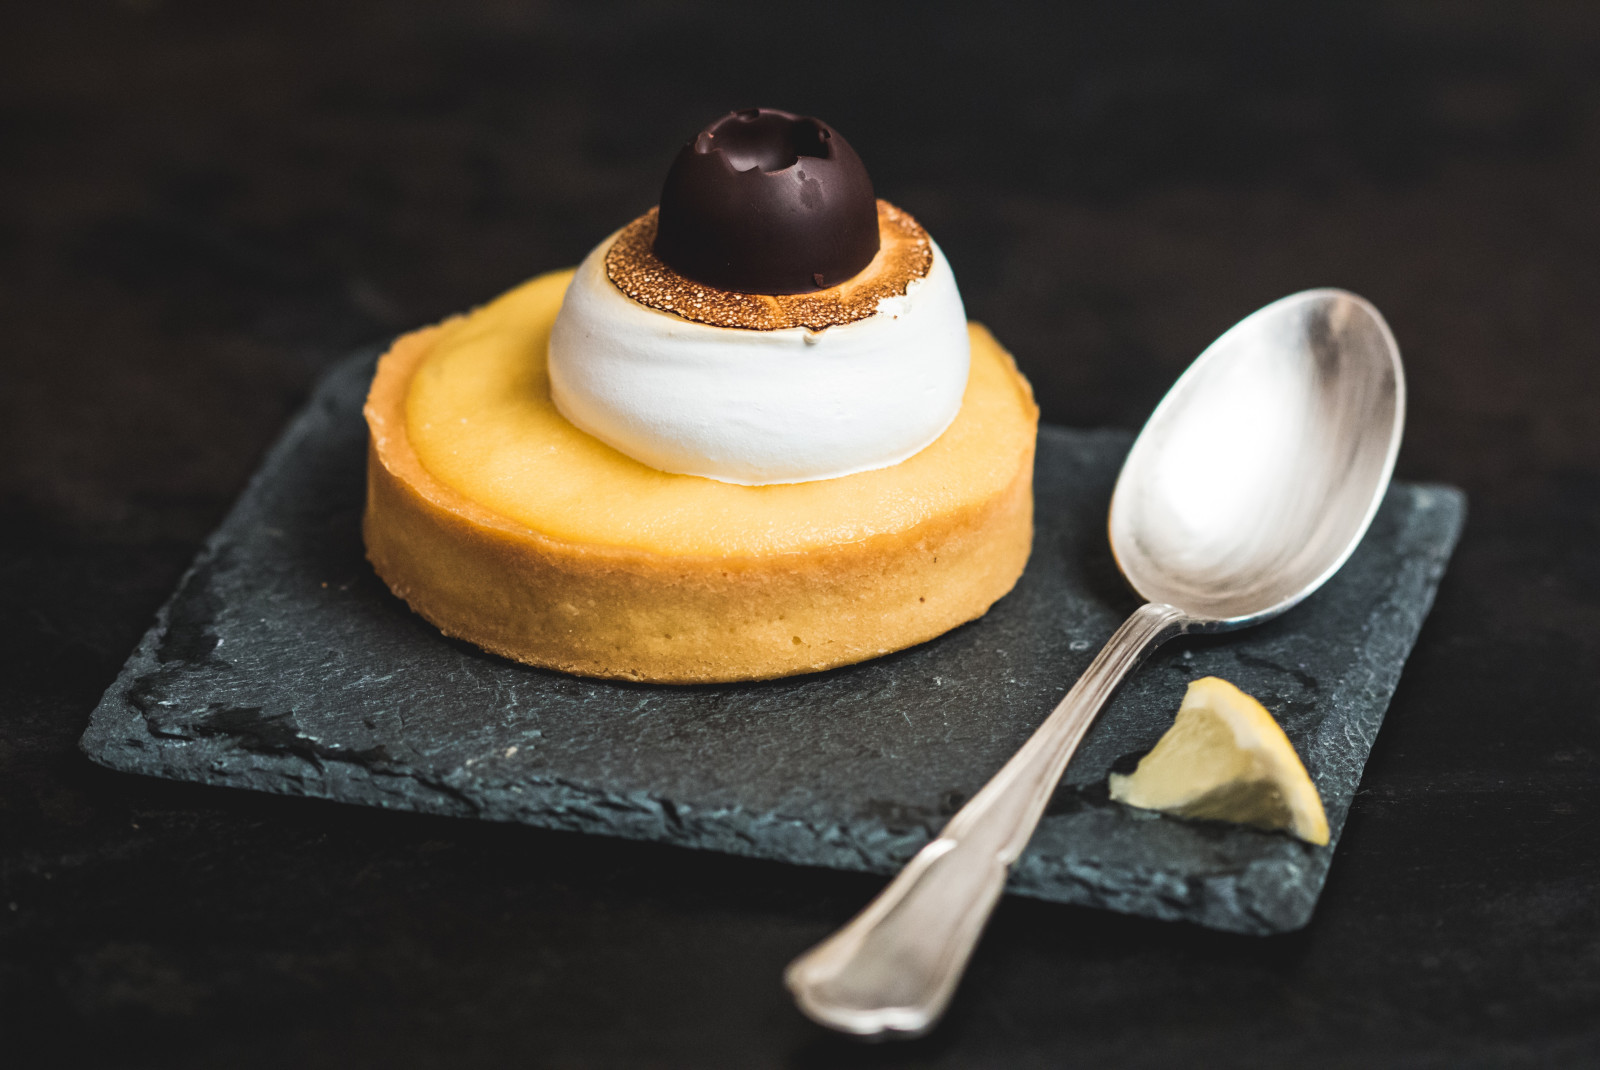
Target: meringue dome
(772, 322)
(763, 406)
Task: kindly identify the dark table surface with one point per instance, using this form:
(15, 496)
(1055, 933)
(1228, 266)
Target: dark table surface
(203, 205)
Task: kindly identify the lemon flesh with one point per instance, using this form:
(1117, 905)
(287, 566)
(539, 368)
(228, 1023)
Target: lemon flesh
(1226, 759)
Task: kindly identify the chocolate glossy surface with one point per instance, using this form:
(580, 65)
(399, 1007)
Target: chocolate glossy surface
(765, 201)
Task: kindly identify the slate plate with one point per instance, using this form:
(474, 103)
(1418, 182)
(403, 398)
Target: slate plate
(283, 664)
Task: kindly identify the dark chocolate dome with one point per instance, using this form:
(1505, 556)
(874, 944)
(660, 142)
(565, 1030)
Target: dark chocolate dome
(762, 201)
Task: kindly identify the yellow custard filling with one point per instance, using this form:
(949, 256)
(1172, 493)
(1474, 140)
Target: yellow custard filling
(480, 419)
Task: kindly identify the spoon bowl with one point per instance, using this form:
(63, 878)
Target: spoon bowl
(1250, 485)
(1257, 475)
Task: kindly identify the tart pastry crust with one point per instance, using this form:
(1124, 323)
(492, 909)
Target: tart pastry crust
(583, 598)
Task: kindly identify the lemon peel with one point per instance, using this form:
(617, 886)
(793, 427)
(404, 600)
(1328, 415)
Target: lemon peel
(1226, 759)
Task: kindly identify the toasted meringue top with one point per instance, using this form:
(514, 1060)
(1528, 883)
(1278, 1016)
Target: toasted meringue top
(905, 255)
(783, 404)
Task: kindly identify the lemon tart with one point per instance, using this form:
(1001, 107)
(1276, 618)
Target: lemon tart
(645, 525)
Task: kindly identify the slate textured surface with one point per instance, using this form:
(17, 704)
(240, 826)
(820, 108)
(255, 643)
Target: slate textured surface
(282, 664)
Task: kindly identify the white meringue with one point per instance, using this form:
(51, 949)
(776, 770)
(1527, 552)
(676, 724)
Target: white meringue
(757, 407)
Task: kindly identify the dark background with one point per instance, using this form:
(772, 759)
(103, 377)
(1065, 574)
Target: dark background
(204, 204)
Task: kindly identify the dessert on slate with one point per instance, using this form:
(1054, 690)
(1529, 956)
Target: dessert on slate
(751, 435)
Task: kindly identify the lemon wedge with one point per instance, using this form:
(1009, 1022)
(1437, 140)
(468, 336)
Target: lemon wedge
(1226, 759)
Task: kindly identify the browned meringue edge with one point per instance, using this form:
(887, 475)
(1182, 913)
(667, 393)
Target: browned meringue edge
(905, 254)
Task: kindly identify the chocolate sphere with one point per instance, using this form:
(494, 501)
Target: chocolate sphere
(762, 201)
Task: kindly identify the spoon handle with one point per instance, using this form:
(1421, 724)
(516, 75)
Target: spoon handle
(893, 968)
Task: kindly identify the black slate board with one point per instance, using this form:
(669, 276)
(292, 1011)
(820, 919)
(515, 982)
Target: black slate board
(283, 664)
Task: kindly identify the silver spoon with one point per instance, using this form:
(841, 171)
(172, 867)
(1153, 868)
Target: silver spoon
(1251, 484)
